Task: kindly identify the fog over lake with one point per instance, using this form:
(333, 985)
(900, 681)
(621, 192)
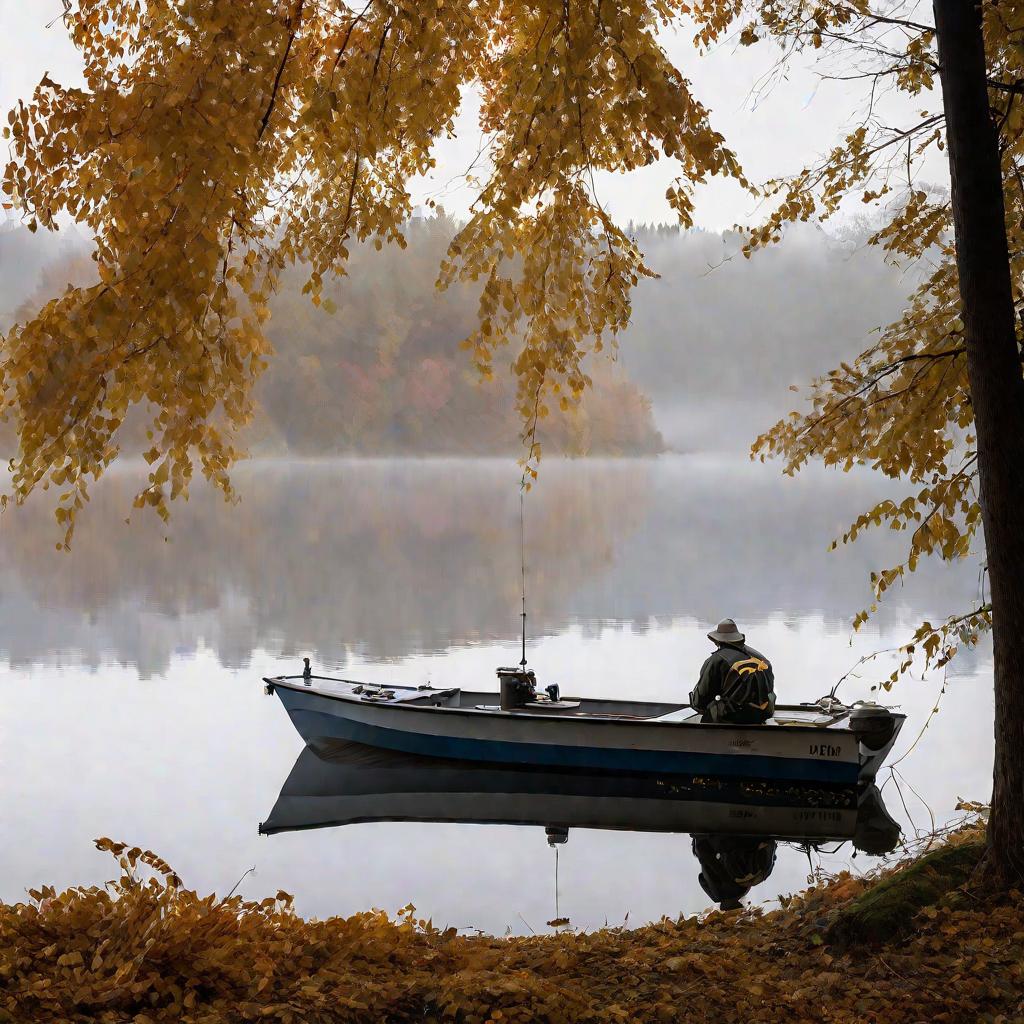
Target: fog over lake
(133, 705)
(131, 666)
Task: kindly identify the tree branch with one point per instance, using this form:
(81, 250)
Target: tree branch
(914, 26)
(1017, 87)
(293, 27)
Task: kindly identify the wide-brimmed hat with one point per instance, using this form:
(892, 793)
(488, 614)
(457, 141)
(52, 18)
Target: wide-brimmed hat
(726, 633)
(725, 892)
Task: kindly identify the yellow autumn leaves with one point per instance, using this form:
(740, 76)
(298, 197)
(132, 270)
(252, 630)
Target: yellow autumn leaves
(148, 949)
(215, 144)
(903, 406)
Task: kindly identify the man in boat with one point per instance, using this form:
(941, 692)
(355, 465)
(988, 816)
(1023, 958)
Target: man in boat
(730, 866)
(736, 682)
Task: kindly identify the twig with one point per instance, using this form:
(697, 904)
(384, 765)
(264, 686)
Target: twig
(239, 882)
(928, 721)
(860, 661)
(893, 972)
(293, 27)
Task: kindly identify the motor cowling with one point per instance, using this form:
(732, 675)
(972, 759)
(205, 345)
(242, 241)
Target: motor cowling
(558, 835)
(873, 725)
(877, 831)
(518, 687)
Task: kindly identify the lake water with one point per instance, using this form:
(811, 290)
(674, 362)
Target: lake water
(131, 669)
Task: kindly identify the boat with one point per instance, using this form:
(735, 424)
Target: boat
(822, 742)
(341, 783)
(735, 824)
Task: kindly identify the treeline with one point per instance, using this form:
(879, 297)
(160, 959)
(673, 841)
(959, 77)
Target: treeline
(406, 556)
(714, 345)
(718, 340)
(383, 372)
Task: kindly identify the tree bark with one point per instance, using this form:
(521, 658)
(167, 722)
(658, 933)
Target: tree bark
(997, 393)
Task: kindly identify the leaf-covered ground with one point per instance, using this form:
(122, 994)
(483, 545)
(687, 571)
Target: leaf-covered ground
(153, 951)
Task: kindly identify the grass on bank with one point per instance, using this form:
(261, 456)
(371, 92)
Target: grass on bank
(902, 946)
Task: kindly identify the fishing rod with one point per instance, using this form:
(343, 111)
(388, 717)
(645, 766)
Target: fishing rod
(522, 561)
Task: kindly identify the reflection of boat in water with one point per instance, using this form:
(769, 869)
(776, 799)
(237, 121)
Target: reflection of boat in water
(345, 783)
(827, 742)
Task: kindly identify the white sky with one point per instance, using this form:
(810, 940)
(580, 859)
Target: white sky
(796, 120)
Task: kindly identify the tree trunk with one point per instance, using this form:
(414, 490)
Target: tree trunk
(997, 393)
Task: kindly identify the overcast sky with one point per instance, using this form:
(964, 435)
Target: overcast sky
(777, 133)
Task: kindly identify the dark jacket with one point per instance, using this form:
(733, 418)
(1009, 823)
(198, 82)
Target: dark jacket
(732, 865)
(742, 678)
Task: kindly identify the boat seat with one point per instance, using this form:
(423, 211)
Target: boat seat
(535, 706)
(430, 698)
(683, 714)
(817, 722)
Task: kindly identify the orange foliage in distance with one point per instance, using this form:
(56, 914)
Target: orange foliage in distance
(377, 369)
(215, 145)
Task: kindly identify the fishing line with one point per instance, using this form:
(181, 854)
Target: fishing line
(522, 558)
(558, 916)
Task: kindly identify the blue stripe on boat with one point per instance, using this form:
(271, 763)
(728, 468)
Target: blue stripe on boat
(312, 724)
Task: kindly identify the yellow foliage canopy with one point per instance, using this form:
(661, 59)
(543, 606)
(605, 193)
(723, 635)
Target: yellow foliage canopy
(214, 144)
(903, 406)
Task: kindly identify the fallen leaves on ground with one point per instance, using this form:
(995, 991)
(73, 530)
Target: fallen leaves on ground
(152, 951)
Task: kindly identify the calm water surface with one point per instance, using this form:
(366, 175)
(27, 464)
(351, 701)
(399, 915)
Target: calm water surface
(133, 708)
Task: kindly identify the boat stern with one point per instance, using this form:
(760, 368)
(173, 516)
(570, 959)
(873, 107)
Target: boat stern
(876, 729)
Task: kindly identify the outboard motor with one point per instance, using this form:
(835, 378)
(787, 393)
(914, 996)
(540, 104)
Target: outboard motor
(518, 687)
(877, 833)
(557, 835)
(873, 725)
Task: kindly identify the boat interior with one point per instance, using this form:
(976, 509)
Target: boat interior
(825, 713)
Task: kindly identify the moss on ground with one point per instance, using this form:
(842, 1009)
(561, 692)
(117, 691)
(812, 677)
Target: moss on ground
(887, 910)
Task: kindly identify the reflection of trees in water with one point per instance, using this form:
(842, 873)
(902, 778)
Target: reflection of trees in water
(393, 558)
(386, 376)
(390, 558)
(730, 537)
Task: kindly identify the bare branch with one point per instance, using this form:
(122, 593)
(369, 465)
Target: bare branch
(293, 27)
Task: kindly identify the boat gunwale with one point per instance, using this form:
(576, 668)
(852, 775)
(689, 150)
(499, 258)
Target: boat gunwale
(533, 716)
(782, 837)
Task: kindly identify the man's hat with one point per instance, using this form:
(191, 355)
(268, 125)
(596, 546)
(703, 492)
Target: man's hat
(726, 633)
(726, 893)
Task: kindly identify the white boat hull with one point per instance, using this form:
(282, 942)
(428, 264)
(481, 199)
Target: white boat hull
(346, 784)
(601, 736)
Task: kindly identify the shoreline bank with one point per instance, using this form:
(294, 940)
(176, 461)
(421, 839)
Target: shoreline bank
(147, 949)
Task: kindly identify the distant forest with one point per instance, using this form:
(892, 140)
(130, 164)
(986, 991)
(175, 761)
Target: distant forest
(718, 340)
(706, 365)
(383, 372)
